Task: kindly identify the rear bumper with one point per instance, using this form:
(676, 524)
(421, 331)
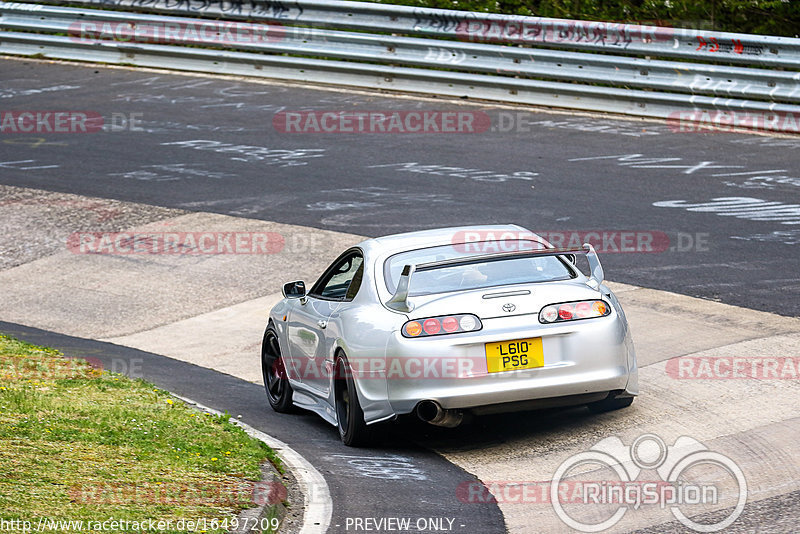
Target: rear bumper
(580, 358)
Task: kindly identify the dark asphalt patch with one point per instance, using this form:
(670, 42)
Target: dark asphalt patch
(209, 144)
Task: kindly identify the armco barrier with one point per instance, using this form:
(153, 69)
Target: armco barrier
(583, 65)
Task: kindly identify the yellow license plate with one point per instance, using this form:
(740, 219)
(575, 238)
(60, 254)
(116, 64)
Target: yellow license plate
(513, 355)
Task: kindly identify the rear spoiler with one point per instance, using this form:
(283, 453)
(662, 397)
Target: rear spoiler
(399, 300)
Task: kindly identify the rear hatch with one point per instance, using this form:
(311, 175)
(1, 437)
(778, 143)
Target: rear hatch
(501, 301)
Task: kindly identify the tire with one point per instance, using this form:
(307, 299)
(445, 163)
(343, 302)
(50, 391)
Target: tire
(273, 371)
(610, 404)
(349, 415)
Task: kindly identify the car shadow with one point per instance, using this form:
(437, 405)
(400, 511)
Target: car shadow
(408, 433)
(486, 431)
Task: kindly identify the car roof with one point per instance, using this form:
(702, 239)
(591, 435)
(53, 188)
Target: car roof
(392, 244)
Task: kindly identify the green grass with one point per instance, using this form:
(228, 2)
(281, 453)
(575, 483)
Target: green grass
(77, 443)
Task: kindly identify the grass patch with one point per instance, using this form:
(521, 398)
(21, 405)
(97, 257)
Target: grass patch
(81, 444)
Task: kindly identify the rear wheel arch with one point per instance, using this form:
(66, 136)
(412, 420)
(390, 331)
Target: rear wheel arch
(339, 381)
(353, 430)
(341, 351)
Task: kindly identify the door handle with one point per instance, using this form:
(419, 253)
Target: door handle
(322, 324)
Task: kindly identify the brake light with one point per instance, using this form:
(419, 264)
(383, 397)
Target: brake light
(571, 311)
(431, 326)
(437, 326)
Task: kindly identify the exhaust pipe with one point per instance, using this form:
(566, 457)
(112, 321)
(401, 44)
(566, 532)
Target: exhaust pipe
(431, 412)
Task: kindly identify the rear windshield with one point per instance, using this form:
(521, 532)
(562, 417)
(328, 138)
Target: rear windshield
(477, 275)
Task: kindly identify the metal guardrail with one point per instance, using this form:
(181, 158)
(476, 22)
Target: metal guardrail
(487, 27)
(520, 69)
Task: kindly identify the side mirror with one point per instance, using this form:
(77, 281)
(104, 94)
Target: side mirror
(294, 290)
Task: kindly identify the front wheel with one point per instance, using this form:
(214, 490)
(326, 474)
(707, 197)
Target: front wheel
(273, 371)
(350, 418)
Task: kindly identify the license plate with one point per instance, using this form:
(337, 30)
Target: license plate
(513, 355)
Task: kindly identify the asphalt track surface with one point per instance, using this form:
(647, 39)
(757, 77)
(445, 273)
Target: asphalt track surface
(396, 480)
(209, 144)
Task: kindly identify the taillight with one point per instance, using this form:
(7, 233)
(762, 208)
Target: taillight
(431, 326)
(571, 311)
(412, 329)
(450, 324)
(442, 325)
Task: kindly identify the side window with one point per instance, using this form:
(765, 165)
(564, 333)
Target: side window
(337, 282)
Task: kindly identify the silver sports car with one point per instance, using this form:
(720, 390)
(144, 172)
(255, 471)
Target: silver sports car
(448, 324)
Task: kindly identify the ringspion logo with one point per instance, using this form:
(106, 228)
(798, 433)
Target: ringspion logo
(691, 476)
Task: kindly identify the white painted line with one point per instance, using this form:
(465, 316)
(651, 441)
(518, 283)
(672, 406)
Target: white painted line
(750, 172)
(318, 506)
